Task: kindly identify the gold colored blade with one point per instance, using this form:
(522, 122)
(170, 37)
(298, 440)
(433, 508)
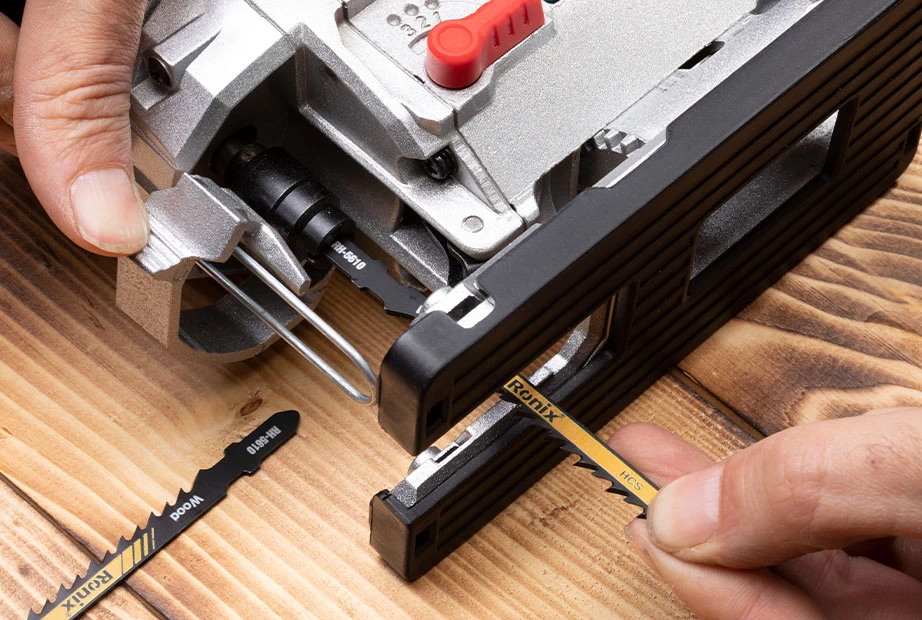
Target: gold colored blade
(626, 480)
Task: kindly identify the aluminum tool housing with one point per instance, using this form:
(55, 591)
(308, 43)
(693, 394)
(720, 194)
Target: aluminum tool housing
(342, 84)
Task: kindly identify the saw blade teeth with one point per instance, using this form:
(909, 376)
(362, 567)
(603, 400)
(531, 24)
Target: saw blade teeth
(155, 515)
(604, 475)
(216, 478)
(622, 492)
(110, 555)
(66, 587)
(618, 489)
(615, 485)
(568, 447)
(585, 462)
(555, 434)
(168, 507)
(633, 500)
(572, 443)
(629, 498)
(33, 615)
(123, 543)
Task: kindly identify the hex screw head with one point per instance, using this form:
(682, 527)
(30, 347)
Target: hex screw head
(160, 71)
(441, 165)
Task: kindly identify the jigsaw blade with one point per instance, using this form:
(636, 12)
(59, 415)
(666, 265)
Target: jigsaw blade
(209, 488)
(594, 453)
(369, 274)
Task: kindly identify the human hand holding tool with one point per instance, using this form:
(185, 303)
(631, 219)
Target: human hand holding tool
(69, 97)
(821, 520)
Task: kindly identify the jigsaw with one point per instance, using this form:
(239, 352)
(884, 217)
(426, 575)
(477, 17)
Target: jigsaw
(598, 183)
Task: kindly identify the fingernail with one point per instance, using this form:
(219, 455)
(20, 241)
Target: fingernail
(684, 514)
(108, 212)
(637, 539)
(627, 532)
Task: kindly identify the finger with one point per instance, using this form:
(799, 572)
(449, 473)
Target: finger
(888, 410)
(717, 592)
(72, 80)
(820, 486)
(842, 593)
(662, 456)
(853, 587)
(899, 553)
(709, 591)
(9, 35)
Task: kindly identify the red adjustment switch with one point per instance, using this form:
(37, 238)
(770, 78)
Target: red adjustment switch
(460, 50)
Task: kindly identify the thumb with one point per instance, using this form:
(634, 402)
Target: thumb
(820, 486)
(9, 36)
(71, 83)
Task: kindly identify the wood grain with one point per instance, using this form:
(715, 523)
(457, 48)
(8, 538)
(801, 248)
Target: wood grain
(36, 557)
(839, 335)
(99, 426)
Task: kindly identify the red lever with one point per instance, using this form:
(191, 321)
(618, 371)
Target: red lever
(460, 50)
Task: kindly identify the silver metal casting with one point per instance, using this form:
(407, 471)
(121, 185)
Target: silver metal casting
(342, 85)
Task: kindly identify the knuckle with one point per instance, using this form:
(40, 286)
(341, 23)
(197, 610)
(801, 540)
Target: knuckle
(758, 605)
(76, 88)
(94, 84)
(796, 477)
(89, 78)
(892, 458)
(87, 102)
(834, 571)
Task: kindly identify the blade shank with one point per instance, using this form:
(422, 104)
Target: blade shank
(371, 275)
(209, 488)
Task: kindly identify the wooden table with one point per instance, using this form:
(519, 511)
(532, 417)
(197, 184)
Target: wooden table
(98, 426)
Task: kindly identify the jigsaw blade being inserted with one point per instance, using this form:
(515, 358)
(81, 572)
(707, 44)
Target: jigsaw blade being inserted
(595, 454)
(209, 488)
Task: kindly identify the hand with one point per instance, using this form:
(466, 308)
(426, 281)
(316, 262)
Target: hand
(65, 79)
(821, 520)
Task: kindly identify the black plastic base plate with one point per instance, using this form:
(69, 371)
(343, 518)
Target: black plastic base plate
(638, 241)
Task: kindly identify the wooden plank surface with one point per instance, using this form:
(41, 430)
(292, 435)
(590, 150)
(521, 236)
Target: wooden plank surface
(36, 557)
(839, 335)
(98, 426)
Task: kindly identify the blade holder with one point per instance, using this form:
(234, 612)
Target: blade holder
(278, 187)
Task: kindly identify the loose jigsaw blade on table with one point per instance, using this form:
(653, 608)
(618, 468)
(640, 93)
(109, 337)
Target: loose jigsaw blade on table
(594, 453)
(209, 488)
